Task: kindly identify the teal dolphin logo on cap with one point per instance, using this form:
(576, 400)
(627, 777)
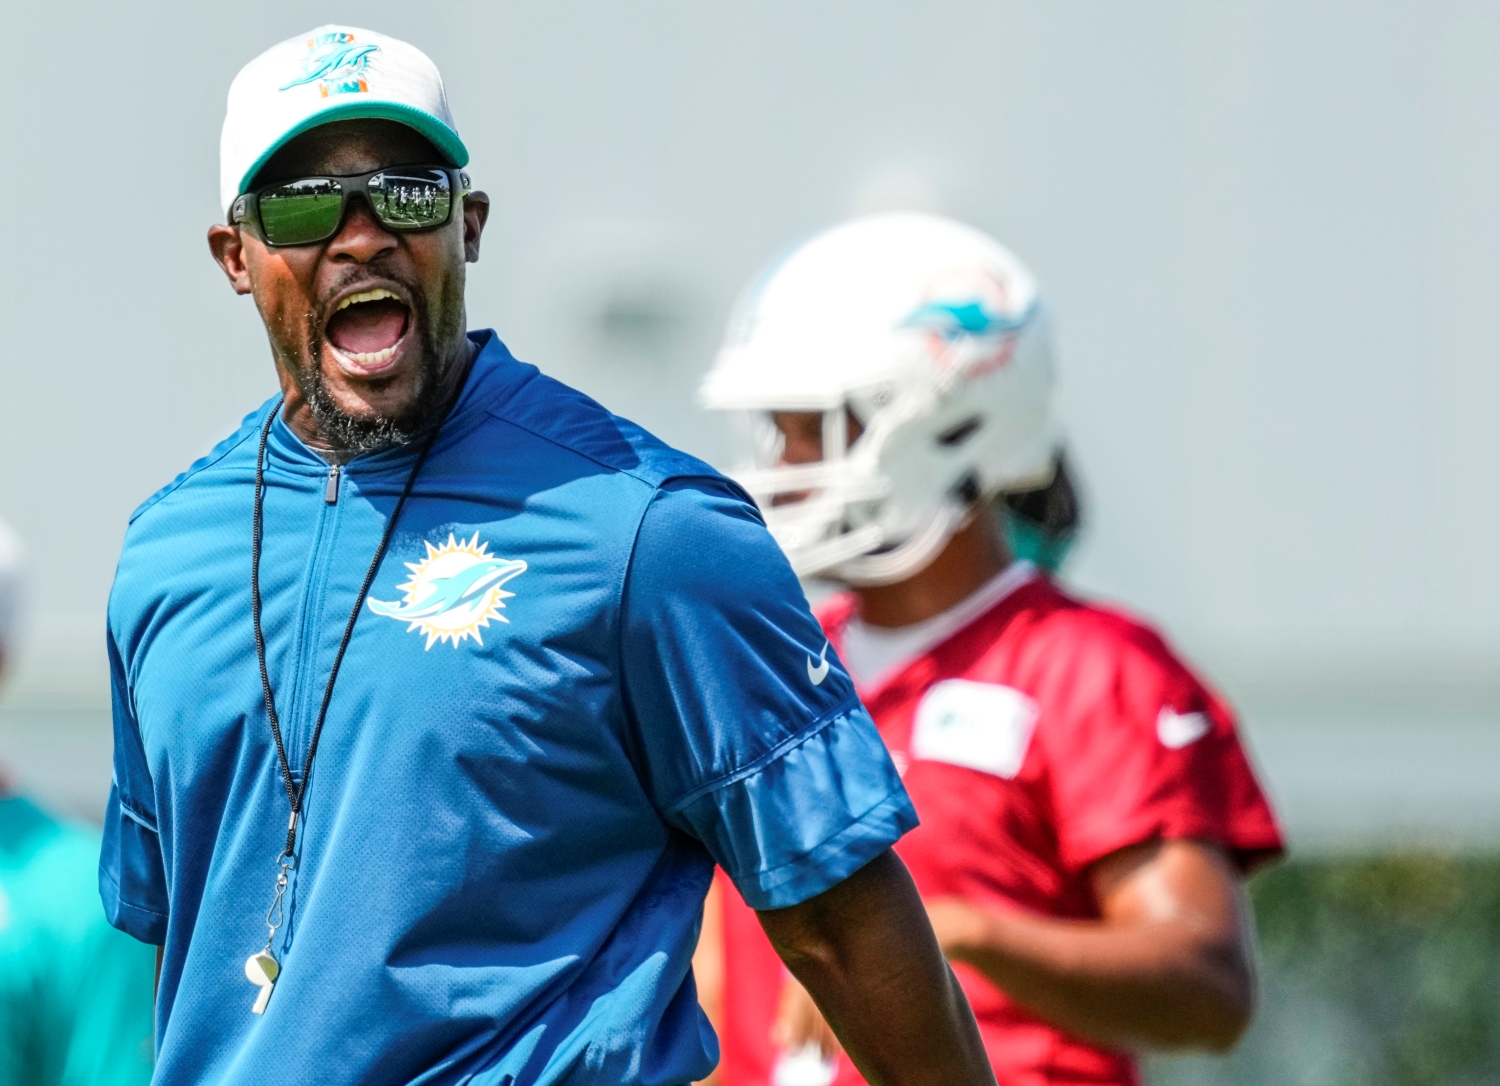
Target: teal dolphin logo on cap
(336, 63)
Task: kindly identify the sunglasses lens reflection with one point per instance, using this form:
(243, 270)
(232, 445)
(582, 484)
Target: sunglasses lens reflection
(300, 212)
(411, 199)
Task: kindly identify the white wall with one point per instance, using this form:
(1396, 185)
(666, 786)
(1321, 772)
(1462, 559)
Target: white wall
(1270, 230)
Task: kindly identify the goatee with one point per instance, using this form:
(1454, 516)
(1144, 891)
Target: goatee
(354, 435)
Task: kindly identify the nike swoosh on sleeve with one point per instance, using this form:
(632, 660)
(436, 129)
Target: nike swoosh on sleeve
(1177, 730)
(816, 675)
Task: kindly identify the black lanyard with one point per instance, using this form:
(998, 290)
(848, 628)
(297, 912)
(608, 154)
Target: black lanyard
(294, 791)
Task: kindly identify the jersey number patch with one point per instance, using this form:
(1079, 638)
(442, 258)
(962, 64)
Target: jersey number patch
(982, 726)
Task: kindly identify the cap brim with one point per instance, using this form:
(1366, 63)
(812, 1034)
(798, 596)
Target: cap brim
(436, 132)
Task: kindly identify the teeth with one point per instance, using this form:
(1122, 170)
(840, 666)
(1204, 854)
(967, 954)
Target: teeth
(371, 358)
(367, 296)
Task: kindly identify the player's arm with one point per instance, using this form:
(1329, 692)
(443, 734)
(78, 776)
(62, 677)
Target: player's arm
(866, 953)
(1169, 964)
(708, 965)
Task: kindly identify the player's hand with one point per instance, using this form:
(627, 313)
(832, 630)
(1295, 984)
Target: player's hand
(958, 925)
(799, 1023)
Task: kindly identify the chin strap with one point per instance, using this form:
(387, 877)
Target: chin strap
(903, 561)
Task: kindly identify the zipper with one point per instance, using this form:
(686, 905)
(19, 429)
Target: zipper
(304, 695)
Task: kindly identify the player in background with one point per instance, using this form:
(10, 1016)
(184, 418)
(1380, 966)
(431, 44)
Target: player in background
(1088, 814)
(75, 994)
(1040, 526)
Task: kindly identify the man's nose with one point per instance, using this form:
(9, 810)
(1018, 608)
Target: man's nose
(361, 238)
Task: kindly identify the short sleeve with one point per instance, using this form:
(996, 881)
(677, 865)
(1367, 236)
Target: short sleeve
(132, 878)
(747, 728)
(1145, 751)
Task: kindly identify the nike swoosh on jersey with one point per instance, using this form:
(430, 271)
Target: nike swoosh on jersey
(816, 675)
(1177, 730)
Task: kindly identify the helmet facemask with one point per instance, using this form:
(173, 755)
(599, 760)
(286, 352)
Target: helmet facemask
(834, 516)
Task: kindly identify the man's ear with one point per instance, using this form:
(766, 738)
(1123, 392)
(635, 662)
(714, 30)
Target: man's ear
(228, 249)
(476, 214)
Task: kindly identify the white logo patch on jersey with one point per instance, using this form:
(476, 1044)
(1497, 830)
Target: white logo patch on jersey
(1177, 730)
(806, 1067)
(982, 726)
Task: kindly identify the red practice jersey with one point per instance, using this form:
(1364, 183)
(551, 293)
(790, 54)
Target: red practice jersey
(1043, 736)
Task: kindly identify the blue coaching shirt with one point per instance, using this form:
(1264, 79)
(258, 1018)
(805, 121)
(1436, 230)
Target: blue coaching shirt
(519, 794)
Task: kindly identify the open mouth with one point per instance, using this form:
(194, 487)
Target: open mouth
(368, 327)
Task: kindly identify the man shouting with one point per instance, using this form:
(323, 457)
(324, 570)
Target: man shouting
(439, 690)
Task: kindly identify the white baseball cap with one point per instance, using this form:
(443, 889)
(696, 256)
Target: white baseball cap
(333, 73)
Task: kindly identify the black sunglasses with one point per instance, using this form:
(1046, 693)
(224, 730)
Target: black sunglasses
(311, 209)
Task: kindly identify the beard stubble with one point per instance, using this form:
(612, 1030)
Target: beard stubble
(437, 326)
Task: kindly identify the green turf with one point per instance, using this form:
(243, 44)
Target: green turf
(299, 216)
(1380, 971)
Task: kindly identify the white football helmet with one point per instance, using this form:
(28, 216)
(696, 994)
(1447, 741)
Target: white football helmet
(933, 337)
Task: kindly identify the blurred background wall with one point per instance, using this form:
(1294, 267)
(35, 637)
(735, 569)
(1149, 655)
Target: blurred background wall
(1269, 231)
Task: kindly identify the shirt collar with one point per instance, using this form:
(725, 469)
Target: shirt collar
(875, 653)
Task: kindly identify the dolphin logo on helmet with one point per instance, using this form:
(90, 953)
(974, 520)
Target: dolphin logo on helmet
(953, 319)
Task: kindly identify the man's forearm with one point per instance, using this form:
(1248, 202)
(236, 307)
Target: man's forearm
(866, 953)
(1150, 984)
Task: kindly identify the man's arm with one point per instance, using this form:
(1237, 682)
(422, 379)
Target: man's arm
(1169, 964)
(866, 953)
(708, 966)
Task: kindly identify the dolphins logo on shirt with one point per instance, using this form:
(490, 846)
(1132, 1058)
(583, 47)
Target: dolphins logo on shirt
(454, 592)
